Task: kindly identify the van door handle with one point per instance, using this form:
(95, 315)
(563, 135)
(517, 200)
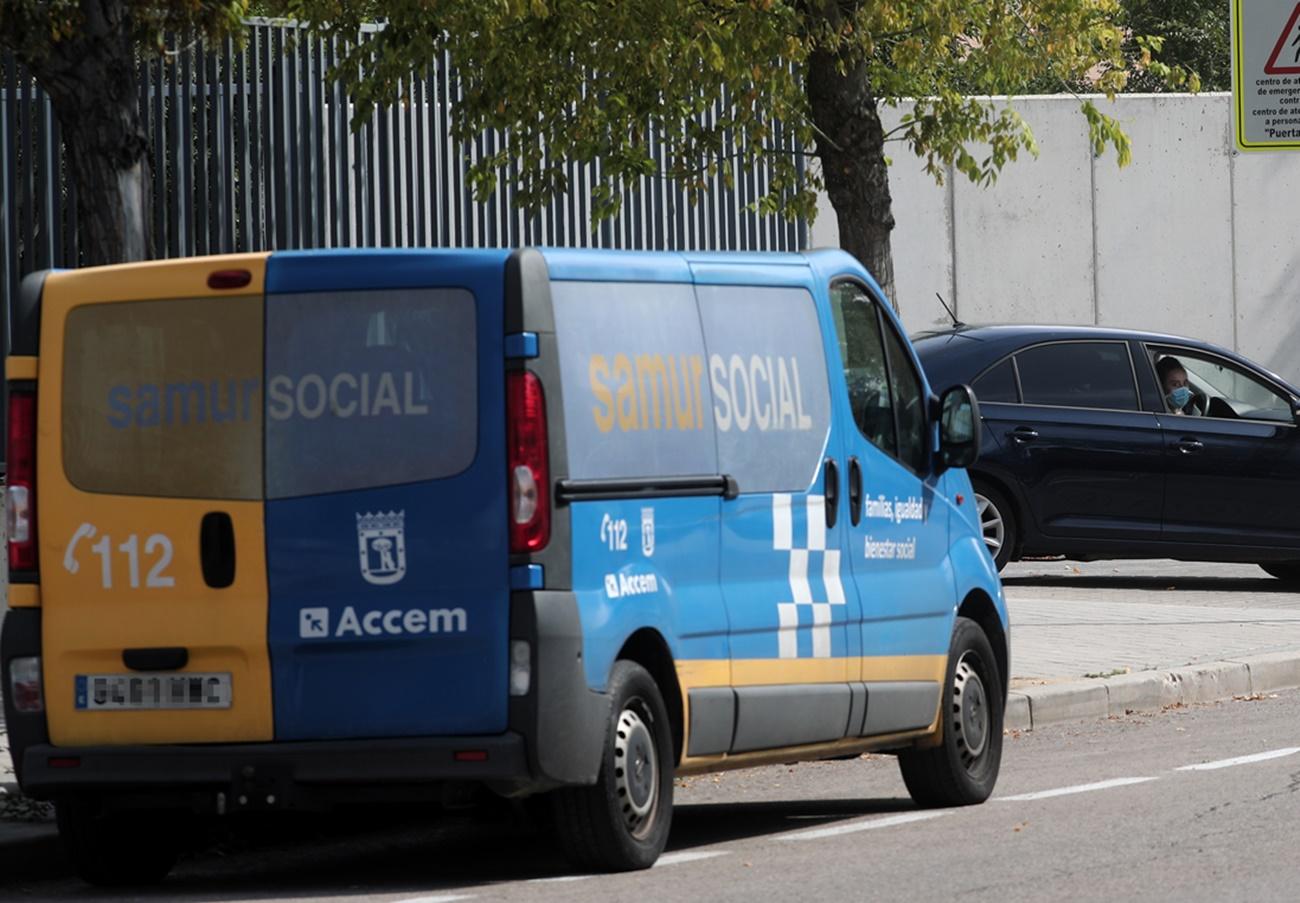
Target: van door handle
(855, 490)
(832, 492)
(1023, 434)
(217, 549)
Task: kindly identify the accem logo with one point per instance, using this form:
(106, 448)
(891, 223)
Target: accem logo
(619, 585)
(314, 623)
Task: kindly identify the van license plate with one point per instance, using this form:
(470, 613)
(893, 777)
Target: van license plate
(133, 692)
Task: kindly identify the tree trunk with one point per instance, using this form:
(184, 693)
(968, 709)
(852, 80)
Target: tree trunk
(92, 86)
(851, 148)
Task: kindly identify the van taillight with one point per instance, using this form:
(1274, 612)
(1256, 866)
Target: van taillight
(20, 491)
(530, 497)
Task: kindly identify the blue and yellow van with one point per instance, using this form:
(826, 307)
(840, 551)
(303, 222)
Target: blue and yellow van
(297, 528)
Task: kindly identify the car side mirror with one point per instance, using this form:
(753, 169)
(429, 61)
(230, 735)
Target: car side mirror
(1295, 411)
(959, 429)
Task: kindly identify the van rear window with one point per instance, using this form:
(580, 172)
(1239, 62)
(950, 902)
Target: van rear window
(164, 398)
(369, 388)
(349, 390)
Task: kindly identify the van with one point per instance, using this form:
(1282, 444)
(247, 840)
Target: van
(298, 528)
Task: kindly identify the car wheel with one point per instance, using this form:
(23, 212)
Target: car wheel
(963, 768)
(117, 849)
(1286, 571)
(997, 523)
(621, 823)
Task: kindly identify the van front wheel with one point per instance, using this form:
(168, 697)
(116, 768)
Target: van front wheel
(621, 822)
(117, 849)
(963, 768)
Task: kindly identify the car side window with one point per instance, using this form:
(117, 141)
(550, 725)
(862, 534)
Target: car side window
(1223, 389)
(998, 384)
(1078, 375)
(885, 392)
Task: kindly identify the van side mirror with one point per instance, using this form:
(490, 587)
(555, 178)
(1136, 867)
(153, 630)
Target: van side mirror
(959, 429)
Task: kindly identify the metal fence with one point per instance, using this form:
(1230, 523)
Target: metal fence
(252, 149)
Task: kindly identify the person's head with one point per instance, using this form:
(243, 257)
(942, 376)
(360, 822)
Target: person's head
(1173, 380)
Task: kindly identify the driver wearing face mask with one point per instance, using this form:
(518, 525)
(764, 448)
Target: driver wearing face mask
(1173, 382)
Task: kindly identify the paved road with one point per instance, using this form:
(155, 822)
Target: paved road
(1070, 618)
(1124, 809)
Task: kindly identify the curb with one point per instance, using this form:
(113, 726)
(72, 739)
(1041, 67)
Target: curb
(1150, 691)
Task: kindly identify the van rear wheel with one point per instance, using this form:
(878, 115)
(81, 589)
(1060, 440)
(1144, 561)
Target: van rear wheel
(621, 822)
(117, 848)
(963, 768)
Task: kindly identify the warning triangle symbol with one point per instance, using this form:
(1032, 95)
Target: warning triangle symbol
(1285, 58)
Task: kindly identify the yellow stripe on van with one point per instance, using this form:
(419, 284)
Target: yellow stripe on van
(759, 672)
(23, 595)
(152, 280)
(20, 366)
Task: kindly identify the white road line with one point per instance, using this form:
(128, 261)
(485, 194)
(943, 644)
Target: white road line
(665, 860)
(871, 825)
(1242, 760)
(679, 858)
(443, 898)
(1078, 788)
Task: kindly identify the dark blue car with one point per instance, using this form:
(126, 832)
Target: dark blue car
(1110, 443)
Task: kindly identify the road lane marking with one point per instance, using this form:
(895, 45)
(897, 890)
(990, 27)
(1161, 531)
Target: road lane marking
(889, 822)
(665, 860)
(679, 858)
(442, 898)
(1077, 788)
(1242, 760)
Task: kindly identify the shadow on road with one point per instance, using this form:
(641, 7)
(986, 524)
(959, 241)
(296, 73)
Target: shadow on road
(401, 851)
(1164, 582)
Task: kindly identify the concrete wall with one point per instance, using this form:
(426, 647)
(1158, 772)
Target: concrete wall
(1192, 237)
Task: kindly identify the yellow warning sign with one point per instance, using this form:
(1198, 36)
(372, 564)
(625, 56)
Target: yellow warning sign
(1266, 74)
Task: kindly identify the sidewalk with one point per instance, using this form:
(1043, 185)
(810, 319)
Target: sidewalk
(1088, 641)
(1091, 640)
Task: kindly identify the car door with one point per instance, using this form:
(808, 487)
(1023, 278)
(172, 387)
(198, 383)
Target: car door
(898, 533)
(1232, 472)
(1090, 462)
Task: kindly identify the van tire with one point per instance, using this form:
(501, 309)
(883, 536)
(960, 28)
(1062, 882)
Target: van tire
(963, 768)
(997, 521)
(621, 822)
(117, 849)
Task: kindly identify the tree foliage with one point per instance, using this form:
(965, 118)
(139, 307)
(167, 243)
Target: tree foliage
(84, 54)
(1195, 36)
(586, 79)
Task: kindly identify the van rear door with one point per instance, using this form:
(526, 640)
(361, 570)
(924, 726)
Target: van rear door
(386, 518)
(149, 489)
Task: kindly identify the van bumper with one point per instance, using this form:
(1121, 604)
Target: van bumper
(273, 775)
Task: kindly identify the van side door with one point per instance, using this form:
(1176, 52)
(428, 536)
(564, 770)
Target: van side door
(898, 534)
(793, 656)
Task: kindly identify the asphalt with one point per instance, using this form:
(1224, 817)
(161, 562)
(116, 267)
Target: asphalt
(1089, 641)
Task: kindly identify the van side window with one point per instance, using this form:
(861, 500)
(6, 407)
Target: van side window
(767, 378)
(1078, 375)
(865, 372)
(908, 394)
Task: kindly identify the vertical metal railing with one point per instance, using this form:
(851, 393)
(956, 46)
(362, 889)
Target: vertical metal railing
(251, 148)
